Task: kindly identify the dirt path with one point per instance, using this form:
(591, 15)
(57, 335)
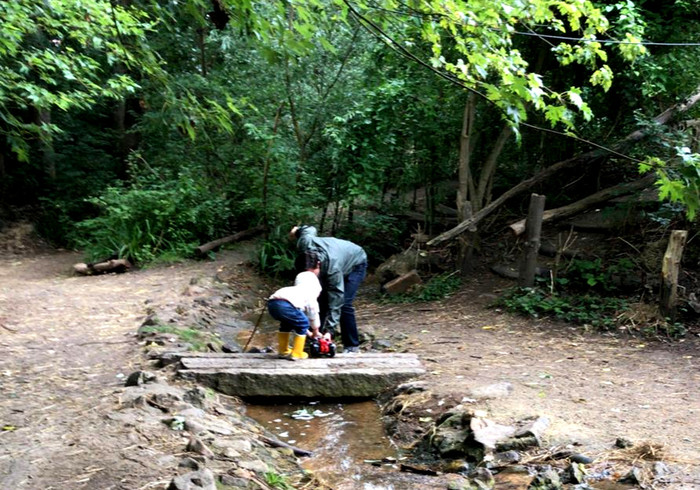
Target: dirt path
(594, 388)
(67, 342)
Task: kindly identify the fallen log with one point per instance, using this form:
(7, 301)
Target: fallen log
(589, 156)
(116, 265)
(587, 202)
(208, 247)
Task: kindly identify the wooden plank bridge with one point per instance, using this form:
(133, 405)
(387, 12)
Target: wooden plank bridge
(265, 375)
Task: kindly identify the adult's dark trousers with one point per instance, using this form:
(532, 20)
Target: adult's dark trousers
(348, 323)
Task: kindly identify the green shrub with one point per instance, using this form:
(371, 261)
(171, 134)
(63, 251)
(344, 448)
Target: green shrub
(587, 309)
(149, 221)
(595, 275)
(277, 253)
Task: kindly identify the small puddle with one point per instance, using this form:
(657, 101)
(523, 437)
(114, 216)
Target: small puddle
(342, 437)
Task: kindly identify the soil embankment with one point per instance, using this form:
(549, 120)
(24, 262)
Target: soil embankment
(69, 342)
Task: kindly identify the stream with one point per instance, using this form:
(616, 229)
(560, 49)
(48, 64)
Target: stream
(348, 443)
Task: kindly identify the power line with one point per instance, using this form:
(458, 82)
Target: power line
(602, 41)
(376, 31)
(415, 13)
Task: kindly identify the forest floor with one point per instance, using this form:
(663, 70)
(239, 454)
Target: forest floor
(68, 341)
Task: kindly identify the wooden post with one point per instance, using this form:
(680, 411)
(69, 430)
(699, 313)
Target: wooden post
(668, 296)
(528, 263)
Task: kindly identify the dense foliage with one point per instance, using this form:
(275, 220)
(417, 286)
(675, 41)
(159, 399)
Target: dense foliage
(142, 128)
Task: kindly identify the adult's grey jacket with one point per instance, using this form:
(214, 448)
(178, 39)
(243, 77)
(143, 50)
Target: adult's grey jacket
(338, 257)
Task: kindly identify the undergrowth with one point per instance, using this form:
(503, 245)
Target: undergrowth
(197, 339)
(601, 313)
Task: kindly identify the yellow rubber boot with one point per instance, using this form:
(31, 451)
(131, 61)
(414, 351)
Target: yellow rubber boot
(298, 342)
(284, 350)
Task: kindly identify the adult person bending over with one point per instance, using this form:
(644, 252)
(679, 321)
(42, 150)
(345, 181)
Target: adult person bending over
(343, 268)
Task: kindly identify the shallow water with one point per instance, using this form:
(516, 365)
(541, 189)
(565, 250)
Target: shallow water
(342, 437)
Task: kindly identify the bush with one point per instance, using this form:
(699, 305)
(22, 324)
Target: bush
(142, 223)
(277, 254)
(587, 309)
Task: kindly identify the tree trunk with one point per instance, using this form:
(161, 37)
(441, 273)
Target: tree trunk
(48, 156)
(594, 199)
(266, 169)
(464, 156)
(201, 38)
(668, 296)
(489, 169)
(207, 247)
(587, 157)
(528, 263)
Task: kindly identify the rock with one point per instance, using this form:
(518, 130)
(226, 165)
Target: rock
(459, 483)
(190, 463)
(497, 390)
(633, 477)
(456, 466)
(382, 344)
(506, 458)
(196, 480)
(192, 413)
(533, 427)
(517, 443)
(482, 478)
(199, 397)
(488, 432)
(234, 481)
(411, 387)
(576, 473)
(240, 445)
(193, 427)
(661, 470)
(546, 480)
(230, 348)
(138, 378)
(197, 446)
(254, 465)
(581, 458)
(623, 443)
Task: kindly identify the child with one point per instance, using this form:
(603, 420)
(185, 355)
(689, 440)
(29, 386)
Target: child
(296, 308)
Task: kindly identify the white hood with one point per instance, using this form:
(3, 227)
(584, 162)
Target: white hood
(309, 281)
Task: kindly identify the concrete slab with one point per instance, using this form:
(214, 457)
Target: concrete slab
(265, 375)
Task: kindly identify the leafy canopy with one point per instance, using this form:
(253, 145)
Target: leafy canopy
(64, 54)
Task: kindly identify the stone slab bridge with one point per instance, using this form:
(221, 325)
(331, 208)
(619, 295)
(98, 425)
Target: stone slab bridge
(265, 375)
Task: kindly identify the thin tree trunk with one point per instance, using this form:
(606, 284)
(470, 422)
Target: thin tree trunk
(48, 157)
(463, 194)
(336, 218)
(528, 263)
(489, 168)
(668, 296)
(323, 219)
(201, 38)
(465, 189)
(266, 169)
